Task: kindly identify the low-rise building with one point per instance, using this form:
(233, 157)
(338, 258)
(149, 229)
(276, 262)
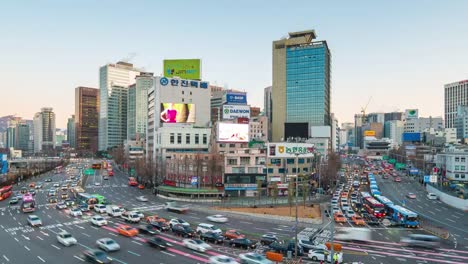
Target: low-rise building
(453, 163)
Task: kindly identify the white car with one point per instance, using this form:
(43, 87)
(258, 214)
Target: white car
(320, 254)
(107, 244)
(66, 239)
(56, 185)
(34, 220)
(98, 220)
(203, 228)
(196, 244)
(220, 259)
(140, 214)
(350, 213)
(254, 258)
(100, 208)
(75, 212)
(97, 184)
(335, 210)
(431, 196)
(217, 218)
(142, 198)
(178, 221)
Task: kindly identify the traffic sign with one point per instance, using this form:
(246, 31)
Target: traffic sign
(433, 179)
(427, 178)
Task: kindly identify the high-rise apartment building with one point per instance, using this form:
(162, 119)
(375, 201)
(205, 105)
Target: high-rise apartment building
(114, 80)
(455, 94)
(267, 108)
(86, 118)
(301, 85)
(137, 113)
(44, 130)
(71, 132)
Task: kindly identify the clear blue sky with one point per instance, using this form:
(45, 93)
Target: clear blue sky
(399, 52)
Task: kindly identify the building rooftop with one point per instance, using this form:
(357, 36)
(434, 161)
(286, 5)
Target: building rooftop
(305, 33)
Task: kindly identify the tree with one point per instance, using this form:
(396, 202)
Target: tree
(305, 191)
(275, 191)
(118, 154)
(290, 195)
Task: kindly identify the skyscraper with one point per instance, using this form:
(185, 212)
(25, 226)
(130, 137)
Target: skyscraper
(267, 105)
(137, 113)
(114, 80)
(86, 118)
(44, 130)
(301, 85)
(455, 94)
(71, 131)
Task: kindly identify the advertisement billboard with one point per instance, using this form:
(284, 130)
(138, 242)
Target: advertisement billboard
(186, 69)
(289, 150)
(369, 133)
(411, 136)
(236, 98)
(411, 114)
(228, 132)
(177, 113)
(236, 111)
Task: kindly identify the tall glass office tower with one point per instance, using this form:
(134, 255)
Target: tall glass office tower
(137, 114)
(301, 85)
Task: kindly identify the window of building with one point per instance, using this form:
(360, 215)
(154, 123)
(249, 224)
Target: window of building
(205, 139)
(187, 138)
(301, 161)
(197, 139)
(457, 159)
(457, 176)
(463, 159)
(222, 145)
(293, 170)
(281, 170)
(290, 161)
(232, 161)
(171, 138)
(462, 176)
(182, 92)
(462, 168)
(305, 169)
(252, 169)
(245, 160)
(179, 138)
(270, 170)
(457, 168)
(232, 145)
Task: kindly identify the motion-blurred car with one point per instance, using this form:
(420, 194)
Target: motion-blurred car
(267, 239)
(66, 239)
(233, 234)
(220, 259)
(142, 198)
(253, 258)
(158, 242)
(212, 237)
(98, 220)
(217, 218)
(411, 195)
(107, 244)
(196, 244)
(127, 231)
(178, 221)
(431, 196)
(34, 220)
(148, 229)
(96, 256)
(243, 243)
(61, 206)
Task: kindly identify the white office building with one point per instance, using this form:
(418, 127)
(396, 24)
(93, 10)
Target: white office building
(394, 131)
(454, 162)
(456, 94)
(423, 123)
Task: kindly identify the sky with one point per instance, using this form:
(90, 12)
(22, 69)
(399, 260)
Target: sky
(400, 53)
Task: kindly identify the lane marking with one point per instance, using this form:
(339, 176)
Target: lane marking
(450, 220)
(79, 258)
(138, 243)
(55, 246)
(5, 257)
(133, 253)
(84, 234)
(41, 258)
(167, 253)
(27, 248)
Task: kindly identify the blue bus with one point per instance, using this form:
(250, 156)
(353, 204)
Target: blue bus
(403, 216)
(373, 186)
(375, 192)
(384, 200)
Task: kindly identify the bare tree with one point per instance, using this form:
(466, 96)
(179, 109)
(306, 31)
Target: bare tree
(275, 191)
(118, 154)
(305, 192)
(290, 195)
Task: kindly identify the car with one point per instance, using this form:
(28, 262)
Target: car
(253, 258)
(397, 179)
(371, 220)
(98, 220)
(357, 220)
(14, 200)
(339, 218)
(431, 196)
(19, 197)
(66, 239)
(411, 195)
(69, 202)
(52, 193)
(323, 255)
(233, 234)
(147, 229)
(56, 185)
(48, 180)
(217, 218)
(61, 206)
(335, 210)
(178, 221)
(309, 245)
(142, 198)
(38, 186)
(350, 213)
(97, 184)
(140, 214)
(32, 191)
(141, 186)
(107, 244)
(385, 176)
(345, 206)
(196, 244)
(32, 185)
(96, 256)
(158, 242)
(243, 243)
(127, 231)
(202, 228)
(267, 239)
(75, 212)
(212, 237)
(34, 220)
(221, 259)
(64, 195)
(184, 231)
(84, 208)
(100, 208)
(105, 178)
(420, 240)
(52, 200)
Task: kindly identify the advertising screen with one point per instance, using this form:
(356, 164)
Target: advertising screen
(233, 132)
(186, 69)
(290, 150)
(177, 113)
(236, 111)
(236, 98)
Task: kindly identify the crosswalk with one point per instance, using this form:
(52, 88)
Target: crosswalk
(106, 186)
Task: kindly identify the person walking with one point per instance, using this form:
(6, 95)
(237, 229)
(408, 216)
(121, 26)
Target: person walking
(335, 258)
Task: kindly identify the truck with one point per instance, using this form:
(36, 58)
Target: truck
(173, 207)
(113, 210)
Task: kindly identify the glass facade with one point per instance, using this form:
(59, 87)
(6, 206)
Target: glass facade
(138, 107)
(308, 84)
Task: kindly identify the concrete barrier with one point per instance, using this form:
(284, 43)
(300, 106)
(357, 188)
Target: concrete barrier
(448, 199)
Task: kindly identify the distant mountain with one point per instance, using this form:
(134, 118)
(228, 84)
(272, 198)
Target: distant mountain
(4, 122)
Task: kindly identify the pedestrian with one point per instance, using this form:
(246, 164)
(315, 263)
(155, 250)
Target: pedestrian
(335, 258)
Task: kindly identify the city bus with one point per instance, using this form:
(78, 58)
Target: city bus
(374, 207)
(5, 192)
(365, 195)
(375, 192)
(28, 204)
(363, 180)
(384, 200)
(403, 216)
(100, 198)
(88, 199)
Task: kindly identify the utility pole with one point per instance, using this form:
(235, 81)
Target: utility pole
(297, 193)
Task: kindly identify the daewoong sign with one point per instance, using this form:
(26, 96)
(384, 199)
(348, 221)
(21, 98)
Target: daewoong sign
(290, 150)
(236, 111)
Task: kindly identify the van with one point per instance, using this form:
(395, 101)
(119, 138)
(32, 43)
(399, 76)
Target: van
(418, 240)
(100, 208)
(203, 228)
(113, 210)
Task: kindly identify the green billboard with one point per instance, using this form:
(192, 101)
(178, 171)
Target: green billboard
(189, 69)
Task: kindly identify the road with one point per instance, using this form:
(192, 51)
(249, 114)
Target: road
(23, 244)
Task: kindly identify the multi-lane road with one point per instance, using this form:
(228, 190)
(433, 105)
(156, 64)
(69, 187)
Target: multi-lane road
(24, 244)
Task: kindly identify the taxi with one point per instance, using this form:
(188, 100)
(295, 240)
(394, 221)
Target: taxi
(141, 186)
(155, 218)
(344, 195)
(127, 231)
(32, 185)
(357, 220)
(233, 234)
(339, 218)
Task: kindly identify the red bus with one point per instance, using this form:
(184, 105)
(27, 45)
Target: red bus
(132, 181)
(374, 207)
(5, 192)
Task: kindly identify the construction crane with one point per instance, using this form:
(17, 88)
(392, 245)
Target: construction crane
(363, 110)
